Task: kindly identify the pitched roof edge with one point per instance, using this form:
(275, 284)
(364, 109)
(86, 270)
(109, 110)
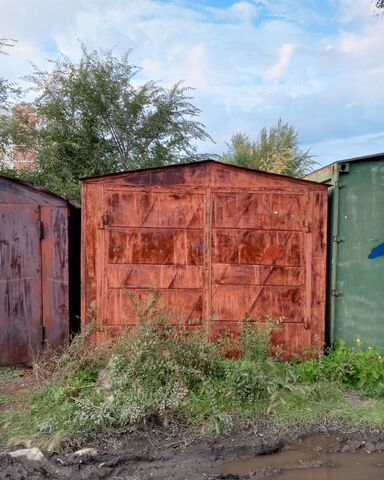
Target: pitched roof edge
(36, 188)
(207, 161)
(373, 156)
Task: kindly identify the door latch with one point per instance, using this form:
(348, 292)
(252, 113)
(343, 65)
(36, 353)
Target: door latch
(337, 292)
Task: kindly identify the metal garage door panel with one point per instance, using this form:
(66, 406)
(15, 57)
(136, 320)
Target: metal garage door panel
(184, 306)
(258, 210)
(20, 285)
(155, 276)
(223, 274)
(153, 246)
(257, 247)
(155, 209)
(154, 240)
(235, 302)
(54, 247)
(258, 261)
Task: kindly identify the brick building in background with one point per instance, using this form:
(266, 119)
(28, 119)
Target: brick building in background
(22, 156)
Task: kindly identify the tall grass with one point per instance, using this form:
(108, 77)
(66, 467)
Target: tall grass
(159, 372)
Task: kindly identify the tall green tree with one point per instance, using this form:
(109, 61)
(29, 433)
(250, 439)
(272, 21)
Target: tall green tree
(275, 150)
(11, 128)
(94, 117)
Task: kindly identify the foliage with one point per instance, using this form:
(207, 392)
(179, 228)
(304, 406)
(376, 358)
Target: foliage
(276, 150)
(156, 372)
(360, 368)
(11, 129)
(379, 3)
(94, 118)
(160, 372)
(7, 373)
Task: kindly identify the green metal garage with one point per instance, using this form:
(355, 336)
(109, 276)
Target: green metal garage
(356, 249)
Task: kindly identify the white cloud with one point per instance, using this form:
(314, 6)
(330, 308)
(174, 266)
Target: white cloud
(243, 11)
(316, 64)
(356, 10)
(284, 57)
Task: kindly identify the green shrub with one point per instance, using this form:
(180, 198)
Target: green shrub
(161, 372)
(157, 371)
(361, 368)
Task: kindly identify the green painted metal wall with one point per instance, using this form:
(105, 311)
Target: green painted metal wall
(355, 281)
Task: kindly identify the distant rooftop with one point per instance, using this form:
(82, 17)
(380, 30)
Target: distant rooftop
(373, 156)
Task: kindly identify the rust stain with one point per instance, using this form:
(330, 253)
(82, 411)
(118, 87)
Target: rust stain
(34, 260)
(217, 242)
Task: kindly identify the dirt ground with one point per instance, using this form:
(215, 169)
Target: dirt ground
(157, 454)
(17, 385)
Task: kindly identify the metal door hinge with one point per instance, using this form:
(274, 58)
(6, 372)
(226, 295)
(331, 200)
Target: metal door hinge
(105, 220)
(338, 184)
(338, 238)
(337, 292)
(41, 230)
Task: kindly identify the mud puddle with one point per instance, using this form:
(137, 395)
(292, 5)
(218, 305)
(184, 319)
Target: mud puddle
(314, 458)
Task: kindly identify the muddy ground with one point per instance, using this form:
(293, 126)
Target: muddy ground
(156, 455)
(254, 451)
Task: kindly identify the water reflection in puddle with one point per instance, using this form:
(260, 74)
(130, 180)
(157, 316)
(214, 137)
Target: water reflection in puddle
(311, 460)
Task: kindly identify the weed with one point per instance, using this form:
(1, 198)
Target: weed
(360, 368)
(161, 372)
(7, 373)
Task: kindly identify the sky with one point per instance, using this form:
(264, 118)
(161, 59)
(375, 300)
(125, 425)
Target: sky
(317, 64)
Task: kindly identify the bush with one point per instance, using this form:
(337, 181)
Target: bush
(159, 372)
(360, 368)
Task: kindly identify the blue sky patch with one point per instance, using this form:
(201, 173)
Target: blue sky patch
(316, 64)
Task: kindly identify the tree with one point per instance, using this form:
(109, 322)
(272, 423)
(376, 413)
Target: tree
(7, 89)
(379, 3)
(94, 118)
(10, 128)
(276, 150)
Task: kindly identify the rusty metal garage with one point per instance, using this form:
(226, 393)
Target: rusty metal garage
(218, 243)
(39, 287)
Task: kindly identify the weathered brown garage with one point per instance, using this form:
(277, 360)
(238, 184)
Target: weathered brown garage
(37, 230)
(218, 242)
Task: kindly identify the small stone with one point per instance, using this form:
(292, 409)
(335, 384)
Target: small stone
(29, 453)
(92, 452)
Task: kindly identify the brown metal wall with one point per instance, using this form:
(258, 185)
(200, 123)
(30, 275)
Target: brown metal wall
(217, 242)
(34, 290)
(55, 285)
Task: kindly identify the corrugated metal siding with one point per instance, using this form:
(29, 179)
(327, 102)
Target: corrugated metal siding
(217, 242)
